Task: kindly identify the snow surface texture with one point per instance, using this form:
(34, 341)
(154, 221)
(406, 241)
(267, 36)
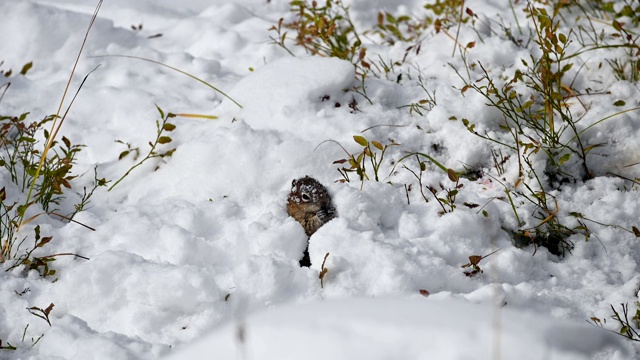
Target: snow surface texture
(201, 240)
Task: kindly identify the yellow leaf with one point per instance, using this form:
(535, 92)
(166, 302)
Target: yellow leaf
(360, 140)
(198, 116)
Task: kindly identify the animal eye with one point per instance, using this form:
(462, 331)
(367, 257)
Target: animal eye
(305, 197)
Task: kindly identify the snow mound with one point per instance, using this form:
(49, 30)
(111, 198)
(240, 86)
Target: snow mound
(271, 100)
(399, 329)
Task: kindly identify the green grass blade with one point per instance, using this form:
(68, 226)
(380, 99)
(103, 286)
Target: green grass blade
(178, 70)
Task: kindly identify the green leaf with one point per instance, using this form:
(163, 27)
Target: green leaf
(123, 154)
(636, 232)
(608, 7)
(616, 25)
(378, 145)
(168, 153)
(590, 147)
(27, 139)
(360, 140)
(26, 68)
(527, 104)
(627, 11)
(619, 103)
(564, 159)
(66, 142)
(164, 140)
(624, 330)
(31, 170)
(160, 111)
(562, 38)
(168, 127)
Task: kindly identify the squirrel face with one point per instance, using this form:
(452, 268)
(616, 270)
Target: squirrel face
(310, 204)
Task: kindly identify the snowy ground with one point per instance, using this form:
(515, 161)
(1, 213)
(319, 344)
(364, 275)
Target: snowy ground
(201, 241)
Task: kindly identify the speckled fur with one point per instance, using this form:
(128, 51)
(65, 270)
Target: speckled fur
(310, 204)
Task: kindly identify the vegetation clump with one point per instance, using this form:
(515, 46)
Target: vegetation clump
(542, 110)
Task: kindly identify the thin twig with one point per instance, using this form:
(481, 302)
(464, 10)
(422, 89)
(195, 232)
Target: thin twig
(459, 25)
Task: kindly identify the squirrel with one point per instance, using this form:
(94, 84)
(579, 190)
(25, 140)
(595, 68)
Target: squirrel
(310, 204)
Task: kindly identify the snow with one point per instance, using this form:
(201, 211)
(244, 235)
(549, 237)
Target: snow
(190, 249)
(397, 328)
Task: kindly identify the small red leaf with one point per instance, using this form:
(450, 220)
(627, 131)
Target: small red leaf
(44, 241)
(475, 259)
(48, 309)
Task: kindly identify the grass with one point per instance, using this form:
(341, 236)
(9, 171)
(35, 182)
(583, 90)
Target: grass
(183, 73)
(39, 179)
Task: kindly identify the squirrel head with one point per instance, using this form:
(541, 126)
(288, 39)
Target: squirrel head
(310, 204)
(308, 192)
